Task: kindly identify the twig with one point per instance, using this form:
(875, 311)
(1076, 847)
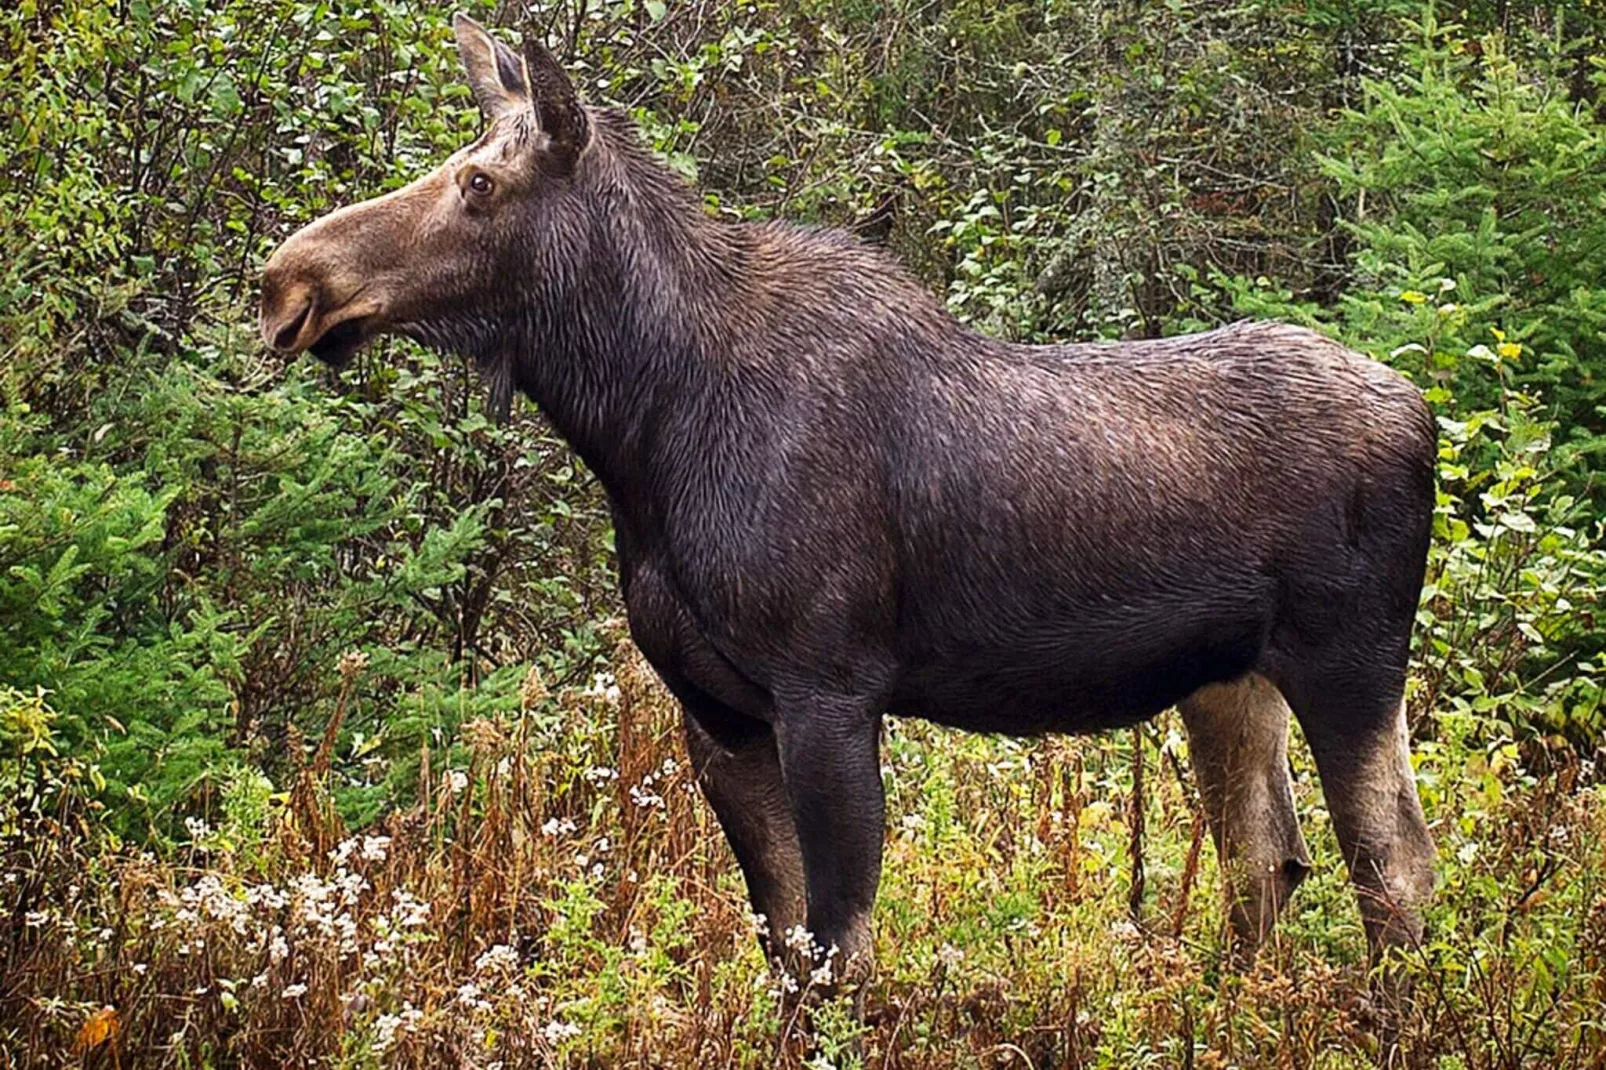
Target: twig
(1134, 896)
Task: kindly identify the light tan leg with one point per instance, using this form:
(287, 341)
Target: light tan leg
(1371, 792)
(1365, 766)
(1238, 736)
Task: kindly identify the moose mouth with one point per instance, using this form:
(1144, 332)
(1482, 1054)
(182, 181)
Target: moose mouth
(337, 345)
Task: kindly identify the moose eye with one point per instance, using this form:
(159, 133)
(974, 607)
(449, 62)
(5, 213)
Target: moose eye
(481, 184)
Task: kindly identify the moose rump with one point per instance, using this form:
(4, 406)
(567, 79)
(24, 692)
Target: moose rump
(833, 501)
(1120, 526)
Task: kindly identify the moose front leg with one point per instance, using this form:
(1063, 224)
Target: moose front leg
(829, 750)
(742, 782)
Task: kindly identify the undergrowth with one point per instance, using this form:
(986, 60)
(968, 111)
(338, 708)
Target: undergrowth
(563, 897)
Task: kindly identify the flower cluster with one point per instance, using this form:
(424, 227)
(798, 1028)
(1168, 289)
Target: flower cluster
(644, 794)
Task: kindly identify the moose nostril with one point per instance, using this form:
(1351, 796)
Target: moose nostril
(285, 336)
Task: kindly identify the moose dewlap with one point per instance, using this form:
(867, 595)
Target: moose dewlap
(833, 501)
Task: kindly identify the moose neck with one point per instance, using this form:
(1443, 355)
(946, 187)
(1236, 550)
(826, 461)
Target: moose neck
(627, 341)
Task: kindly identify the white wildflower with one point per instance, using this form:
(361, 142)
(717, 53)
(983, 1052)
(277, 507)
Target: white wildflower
(267, 896)
(385, 1027)
(350, 886)
(603, 687)
(557, 1031)
(342, 850)
(499, 957)
(798, 938)
(409, 911)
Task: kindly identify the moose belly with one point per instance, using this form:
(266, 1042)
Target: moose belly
(1080, 678)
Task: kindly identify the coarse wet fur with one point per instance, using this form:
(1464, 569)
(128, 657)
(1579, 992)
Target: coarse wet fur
(833, 501)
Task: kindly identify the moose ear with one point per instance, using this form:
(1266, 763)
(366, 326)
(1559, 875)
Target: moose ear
(557, 107)
(495, 72)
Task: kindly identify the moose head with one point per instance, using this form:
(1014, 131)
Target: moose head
(452, 258)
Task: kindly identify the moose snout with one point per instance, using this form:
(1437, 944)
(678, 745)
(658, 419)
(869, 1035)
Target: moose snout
(286, 313)
(283, 336)
(321, 291)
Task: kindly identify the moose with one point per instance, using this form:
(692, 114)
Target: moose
(834, 502)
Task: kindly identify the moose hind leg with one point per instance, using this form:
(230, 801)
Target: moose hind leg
(1238, 737)
(743, 784)
(1363, 753)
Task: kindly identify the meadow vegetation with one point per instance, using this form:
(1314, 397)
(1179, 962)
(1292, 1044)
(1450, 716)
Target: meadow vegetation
(321, 743)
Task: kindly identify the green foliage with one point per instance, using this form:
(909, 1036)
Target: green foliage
(1507, 628)
(1476, 172)
(159, 618)
(190, 536)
